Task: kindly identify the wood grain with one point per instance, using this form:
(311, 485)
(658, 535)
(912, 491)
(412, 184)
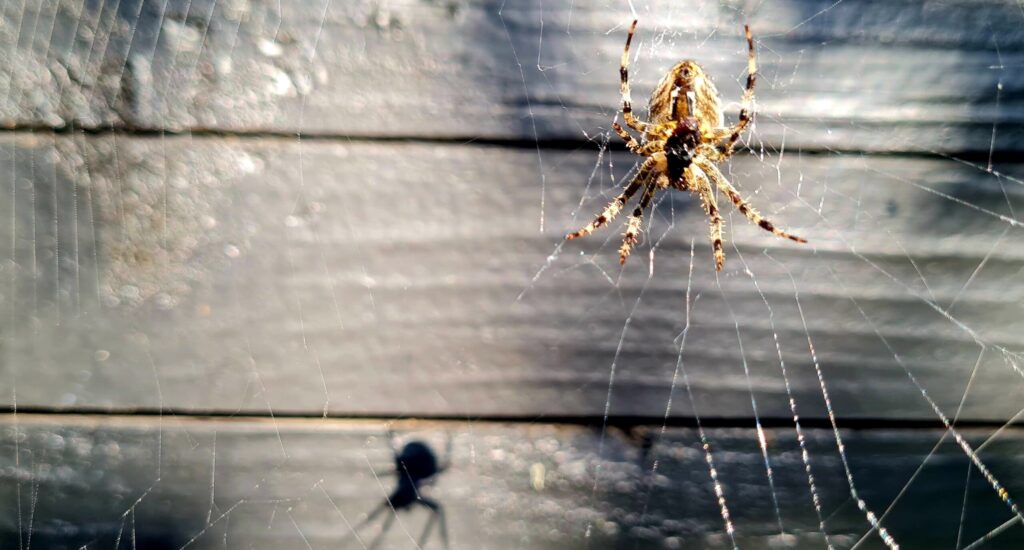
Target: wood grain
(880, 76)
(273, 275)
(254, 483)
(275, 210)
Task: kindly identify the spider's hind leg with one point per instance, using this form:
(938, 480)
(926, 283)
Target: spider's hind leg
(742, 205)
(618, 202)
(698, 182)
(633, 225)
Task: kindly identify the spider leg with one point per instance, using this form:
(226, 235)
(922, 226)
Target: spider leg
(651, 147)
(633, 145)
(699, 183)
(711, 153)
(746, 110)
(748, 94)
(633, 225)
(627, 102)
(631, 142)
(743, 206)
(617, 203)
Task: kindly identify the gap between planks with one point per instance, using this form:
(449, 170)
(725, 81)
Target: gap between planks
(41, 416)
(554, 144)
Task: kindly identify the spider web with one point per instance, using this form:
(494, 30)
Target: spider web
(849, 226)
(196, 235)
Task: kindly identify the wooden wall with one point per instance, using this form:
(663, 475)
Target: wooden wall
(320, 217)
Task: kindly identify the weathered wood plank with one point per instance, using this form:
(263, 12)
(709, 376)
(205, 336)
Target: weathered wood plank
(880, 76)
(365, 278)
(181, 483)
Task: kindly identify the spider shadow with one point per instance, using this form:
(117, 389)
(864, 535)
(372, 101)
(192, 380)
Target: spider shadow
(416, 465)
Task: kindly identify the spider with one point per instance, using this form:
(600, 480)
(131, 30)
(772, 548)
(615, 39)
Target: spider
(683, 140)
(415, 466)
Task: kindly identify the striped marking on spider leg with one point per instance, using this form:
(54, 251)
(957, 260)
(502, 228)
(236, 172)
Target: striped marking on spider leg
(633, 226)
(716, 243)
(630, 239)
(627, 101)
(751, 59)
(716, 227)
(699, 184)
(654, 162)
(716, 240)
(716, 176)
(631, 142)
(748, 94)
(651, 148)
(756, 218)
(610, 211)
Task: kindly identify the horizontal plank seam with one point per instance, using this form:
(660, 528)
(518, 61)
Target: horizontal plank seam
(622, 422)
(1000, 156)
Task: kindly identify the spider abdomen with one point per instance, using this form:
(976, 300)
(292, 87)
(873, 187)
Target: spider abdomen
(669, 100)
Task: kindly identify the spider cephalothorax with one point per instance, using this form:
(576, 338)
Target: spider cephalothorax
(683, 139)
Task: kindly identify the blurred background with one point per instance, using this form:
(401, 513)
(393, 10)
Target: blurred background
(290, 274)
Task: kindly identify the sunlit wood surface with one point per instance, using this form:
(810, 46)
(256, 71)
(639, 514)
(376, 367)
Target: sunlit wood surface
(288, 211)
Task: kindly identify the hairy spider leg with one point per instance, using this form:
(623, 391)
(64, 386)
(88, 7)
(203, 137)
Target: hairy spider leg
(627, 102)
(746, 109)
(633, 225)
(744, 207)
(662, 182)
(651, 147)
(631, 143)
(645, 150)
(618, 202)
(710, 153)
(699, 183)
(748, 93)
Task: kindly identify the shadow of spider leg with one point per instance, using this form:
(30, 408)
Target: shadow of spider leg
(437, 516)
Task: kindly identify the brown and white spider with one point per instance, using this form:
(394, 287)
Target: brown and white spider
(683, 140)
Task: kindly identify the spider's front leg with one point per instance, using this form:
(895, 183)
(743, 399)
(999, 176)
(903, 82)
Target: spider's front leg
(627, 102)
(746, 110)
